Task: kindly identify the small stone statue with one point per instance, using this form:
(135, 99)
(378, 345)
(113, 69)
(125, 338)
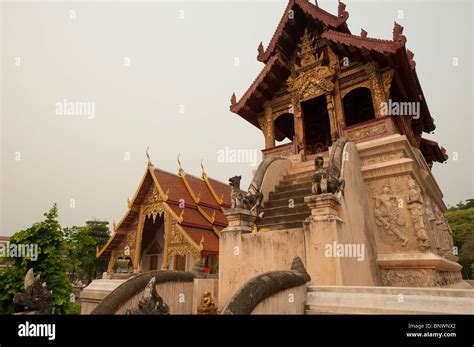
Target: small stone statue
(251, 201)
(319, 181)
(150, 303)
(207, 304)
(237, 200)
(36, 297)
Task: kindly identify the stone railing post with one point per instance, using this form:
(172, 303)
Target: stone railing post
(321, 229)
(230, 243)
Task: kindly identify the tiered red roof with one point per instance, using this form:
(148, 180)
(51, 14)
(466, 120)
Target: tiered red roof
(273, 76)
(202, 217)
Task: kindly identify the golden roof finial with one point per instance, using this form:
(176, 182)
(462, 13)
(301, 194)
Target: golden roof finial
(148, 156)
(180, 168)
(203, 172)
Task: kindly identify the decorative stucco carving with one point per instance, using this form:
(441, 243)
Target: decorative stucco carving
(383, 158)
(416, 207)
(387, 213)
(419, 277)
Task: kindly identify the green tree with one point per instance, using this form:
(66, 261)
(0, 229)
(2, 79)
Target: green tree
(461, 221)
(81, 245)
(50, 265)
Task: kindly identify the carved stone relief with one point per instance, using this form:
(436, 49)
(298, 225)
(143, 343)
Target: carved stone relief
(416, 207)
(384, 157)
(387, 213)
(419, 277)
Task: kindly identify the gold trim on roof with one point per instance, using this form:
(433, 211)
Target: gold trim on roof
(182, 174)
(210, 219)
(220, 200)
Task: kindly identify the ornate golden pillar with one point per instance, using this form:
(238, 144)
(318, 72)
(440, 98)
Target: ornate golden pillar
(138, 242)
(299, 126)
(112, 260)
(376, 87)
(166, 238)
(332, 117)
(336, 93)
(267, 126)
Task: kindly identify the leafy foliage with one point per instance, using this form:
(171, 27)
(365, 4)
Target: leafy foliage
(461, 221)
(50, 265)
(81, 245)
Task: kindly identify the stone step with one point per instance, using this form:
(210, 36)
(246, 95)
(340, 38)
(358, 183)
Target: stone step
(286, 218)
(388, 300)
(290, 194)
(284, 210)
(282, 226)
(289, 187)
(305, 174)
(272, 203)
(289, 182)
(295, 170)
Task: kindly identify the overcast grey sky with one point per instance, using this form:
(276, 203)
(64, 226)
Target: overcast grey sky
(161, 74)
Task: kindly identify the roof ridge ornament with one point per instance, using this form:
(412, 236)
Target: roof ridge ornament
(260, 49)
(233, 99)
(180, 168)
(398, 36)
(410, 56)
(341, 10)
(203, 172)
(148, 156)
(363, 33)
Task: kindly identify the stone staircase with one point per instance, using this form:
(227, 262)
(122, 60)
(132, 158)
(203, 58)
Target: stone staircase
(285, 208)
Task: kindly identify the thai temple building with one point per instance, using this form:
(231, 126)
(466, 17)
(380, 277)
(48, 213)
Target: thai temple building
(315, 65)
(172, 221)
(343, 208)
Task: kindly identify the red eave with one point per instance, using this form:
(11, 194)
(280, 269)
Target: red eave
(318, 14)
(236, 107)
(378, 45)
(437, 152)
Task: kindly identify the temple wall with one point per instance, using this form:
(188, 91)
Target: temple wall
(413, 240)
(243, 256)
(349, 229)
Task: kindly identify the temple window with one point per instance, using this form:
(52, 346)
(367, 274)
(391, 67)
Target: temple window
(211, 262)
(284, 128)
(358, 106)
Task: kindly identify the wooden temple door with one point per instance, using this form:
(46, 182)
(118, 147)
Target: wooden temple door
(316, 124)
(180, 263)
(153, 262)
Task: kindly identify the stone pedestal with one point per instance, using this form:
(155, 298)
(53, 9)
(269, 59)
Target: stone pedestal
(240, 220)
(324, 206)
